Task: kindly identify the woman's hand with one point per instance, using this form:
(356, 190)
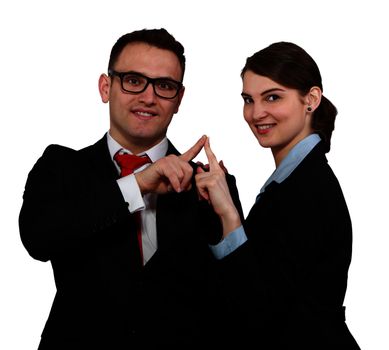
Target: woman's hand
(212, 186)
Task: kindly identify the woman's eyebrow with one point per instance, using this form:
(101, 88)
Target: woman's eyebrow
(271, 90)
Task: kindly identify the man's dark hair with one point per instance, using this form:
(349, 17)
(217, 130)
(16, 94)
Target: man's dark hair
(159, 38)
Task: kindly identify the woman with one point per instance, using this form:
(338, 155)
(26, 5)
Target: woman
(284, 270)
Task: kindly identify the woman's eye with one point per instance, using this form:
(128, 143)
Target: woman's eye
(247, 100)
(272, 98)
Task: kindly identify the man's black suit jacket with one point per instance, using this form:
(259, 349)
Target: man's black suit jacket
(74, 215)
(287, 283)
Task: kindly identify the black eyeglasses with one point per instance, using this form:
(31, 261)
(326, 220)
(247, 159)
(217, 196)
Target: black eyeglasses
(136, 83)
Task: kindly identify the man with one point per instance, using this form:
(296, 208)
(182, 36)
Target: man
(129, 252)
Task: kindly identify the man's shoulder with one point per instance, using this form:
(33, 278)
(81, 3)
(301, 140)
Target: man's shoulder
(63, 155)
(56, 153)
(55, 149)
(58, 150)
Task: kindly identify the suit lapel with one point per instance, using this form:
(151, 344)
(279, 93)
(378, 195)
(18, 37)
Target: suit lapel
(125, 247)
(101, 159)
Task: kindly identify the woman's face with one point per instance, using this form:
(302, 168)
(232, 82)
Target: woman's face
(276, 115)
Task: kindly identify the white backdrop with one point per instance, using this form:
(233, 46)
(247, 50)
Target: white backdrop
(52, 53)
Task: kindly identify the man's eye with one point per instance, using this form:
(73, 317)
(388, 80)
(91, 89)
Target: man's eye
(132, 80)
(166, 85)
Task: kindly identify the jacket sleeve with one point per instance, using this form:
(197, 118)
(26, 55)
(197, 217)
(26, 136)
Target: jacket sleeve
(63, 207)
(231, 181)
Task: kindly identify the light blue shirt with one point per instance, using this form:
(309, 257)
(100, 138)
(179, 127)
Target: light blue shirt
(295, 156)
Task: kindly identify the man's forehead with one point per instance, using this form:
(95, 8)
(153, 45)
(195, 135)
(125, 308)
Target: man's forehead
(149, 60)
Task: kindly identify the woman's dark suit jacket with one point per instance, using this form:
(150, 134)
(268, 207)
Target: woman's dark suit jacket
(288, 281)
(74, 215)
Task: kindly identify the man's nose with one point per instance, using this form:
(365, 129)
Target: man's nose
(148, 95)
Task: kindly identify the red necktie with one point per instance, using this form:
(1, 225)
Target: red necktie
(128, 163)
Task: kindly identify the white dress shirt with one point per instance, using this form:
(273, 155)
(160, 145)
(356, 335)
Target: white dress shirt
(132, 195)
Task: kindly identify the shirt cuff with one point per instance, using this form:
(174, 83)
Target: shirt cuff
(131, 193)
(233, 240)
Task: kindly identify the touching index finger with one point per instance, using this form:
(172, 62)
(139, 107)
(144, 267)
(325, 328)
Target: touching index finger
(192, 152)
(212, 160)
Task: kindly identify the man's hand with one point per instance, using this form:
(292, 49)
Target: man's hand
(205, 167)
(170, 173)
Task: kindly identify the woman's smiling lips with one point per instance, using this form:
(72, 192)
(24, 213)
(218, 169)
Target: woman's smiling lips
(264, 128)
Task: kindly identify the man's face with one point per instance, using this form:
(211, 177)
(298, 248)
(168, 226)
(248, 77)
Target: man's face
(140, 121)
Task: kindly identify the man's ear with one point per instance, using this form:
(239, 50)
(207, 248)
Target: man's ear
(104, 87)
(180, 96)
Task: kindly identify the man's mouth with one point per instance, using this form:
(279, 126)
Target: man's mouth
(144, 115)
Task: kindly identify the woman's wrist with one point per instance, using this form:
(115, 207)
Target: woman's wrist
(230, 221)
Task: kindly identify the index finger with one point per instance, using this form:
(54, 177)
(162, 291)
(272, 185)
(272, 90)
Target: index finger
(212, 160)
(194, 150)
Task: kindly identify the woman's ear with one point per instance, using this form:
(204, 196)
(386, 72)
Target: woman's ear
(104, 87)
(313, 98)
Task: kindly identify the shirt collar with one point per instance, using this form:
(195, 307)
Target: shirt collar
(156, 152)
(293, 159)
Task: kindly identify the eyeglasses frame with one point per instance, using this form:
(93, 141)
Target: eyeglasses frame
(149, 80)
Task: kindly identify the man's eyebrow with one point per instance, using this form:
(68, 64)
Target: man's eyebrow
(144, 75)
